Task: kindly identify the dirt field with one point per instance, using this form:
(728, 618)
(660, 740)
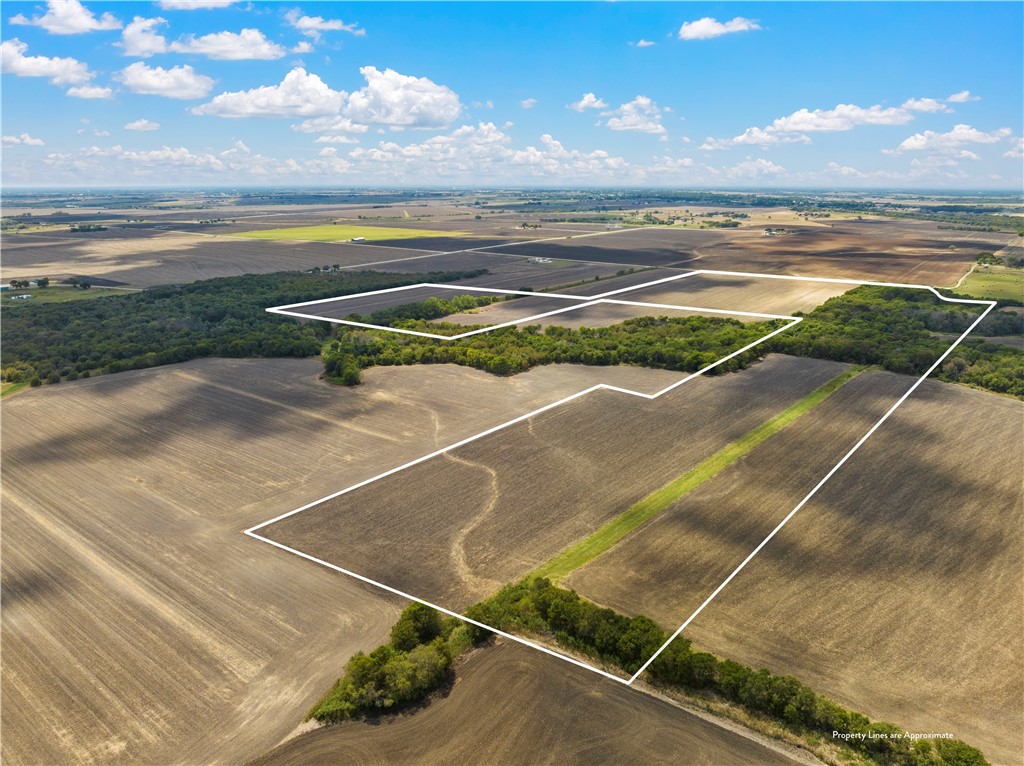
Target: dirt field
(138, 623)
(880, 250)
(920, 531)
(453, 529)
(513, 705)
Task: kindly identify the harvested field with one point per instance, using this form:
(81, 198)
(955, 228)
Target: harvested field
(716, 291)
(336, 233)
(920, 529)
(454, 528)
(896, 251)
(513, 705)
(138, 623)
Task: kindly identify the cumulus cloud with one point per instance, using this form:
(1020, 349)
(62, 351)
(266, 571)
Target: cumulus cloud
(641, 43)
(1016, 152)
(142, 124)
(314, 26)
(399, 100)
(329, 124)
(754, 137)
(181, 82)
(299, 94)
(90, 91)
(754, 169)
(835, 169)
(707, 28)
(68, 17)
(61, 71)
(641, 115)
(528, 103)
(842, 117)
(24, 140)
(951, 141)
(962, 97)
(194, 5)
(925, 105)
(140, 38)
(303, 46)
(588, 101)
(231, 46)
(337, 140)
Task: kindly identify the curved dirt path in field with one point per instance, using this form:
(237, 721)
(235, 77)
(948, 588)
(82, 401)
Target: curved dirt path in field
(463, 570)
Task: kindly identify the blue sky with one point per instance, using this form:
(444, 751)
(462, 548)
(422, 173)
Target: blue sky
(211, 92)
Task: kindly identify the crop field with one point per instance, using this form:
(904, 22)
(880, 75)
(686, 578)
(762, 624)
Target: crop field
(995, 283)
(921, 529)
(877, 250)
(454, 528)
(512, 705)
(342, 232)
(139, 624)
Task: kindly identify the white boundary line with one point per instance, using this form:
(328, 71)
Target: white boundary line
(583, 302)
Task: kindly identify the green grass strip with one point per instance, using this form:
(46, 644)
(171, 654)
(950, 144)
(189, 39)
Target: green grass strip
(604, 538)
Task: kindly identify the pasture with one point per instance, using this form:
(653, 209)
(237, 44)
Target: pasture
(997, 283)
(345, 232)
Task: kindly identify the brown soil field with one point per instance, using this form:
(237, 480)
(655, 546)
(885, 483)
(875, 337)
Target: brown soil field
(601, 315)
(895, 251)
(897, 590)
(454, 528)
(138, 623)
(763, 296)
(514, 705)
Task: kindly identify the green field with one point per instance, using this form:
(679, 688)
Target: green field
(55, 294)
(336, 233)
(995, 283)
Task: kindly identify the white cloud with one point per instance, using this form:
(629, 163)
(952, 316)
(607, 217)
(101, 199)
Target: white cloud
(177, 82)
(329, 124)
(101, 133)
(588, 101)
(194, 5)
(90, 91)
(231, 46)
(68, 17)
(61, 71)
(707, 28)
(142, 124)
(962, 97)
(641, 43)
(966, 154)
(641, 115)
(754, 169)
(1017, 151)
(314, 26)
(24, 139)
(140, 39)
(925, 105)
(754, 137)
(299, 95)
(835, 169)
(337, 140)
(390, 98)
(303, 46)
(842, 117)
(528, 103)
(950, 142)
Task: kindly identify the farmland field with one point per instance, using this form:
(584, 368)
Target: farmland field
(335, 233)
(455, 528)
(921, 529)
(512, 705)
(995, 283)
(139, 624)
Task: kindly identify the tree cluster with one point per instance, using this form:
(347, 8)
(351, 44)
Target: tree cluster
(218, 317)
(416, 661)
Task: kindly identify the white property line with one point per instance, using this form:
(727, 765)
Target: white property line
(584, 302)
